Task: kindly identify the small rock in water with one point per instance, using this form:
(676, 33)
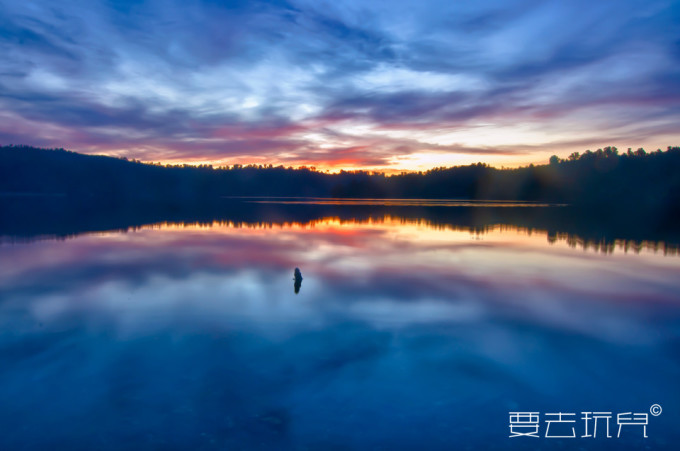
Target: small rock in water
(297, 277)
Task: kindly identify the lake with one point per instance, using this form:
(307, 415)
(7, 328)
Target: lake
(407, 331)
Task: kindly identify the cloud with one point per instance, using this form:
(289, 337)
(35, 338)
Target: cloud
(313, 82)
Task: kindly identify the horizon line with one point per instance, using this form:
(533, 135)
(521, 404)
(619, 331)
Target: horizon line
(325, 169)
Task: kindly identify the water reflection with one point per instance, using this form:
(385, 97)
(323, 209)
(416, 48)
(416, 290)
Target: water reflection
(399, 202)
(408, 335)
(598, 244)
(606, 232)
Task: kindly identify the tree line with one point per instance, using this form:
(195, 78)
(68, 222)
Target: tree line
(604, 178)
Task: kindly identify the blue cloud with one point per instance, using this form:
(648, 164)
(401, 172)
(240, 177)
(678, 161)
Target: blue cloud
(161, 80)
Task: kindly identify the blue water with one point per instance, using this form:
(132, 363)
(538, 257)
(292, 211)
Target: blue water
(404, 335)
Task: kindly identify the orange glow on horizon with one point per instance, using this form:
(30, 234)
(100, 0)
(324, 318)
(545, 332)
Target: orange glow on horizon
(337, 167)
(419, 161)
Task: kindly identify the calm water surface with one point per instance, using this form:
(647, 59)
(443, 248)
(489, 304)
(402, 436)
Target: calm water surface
(404, 335)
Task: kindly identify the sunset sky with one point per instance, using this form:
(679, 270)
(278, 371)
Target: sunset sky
(382, 85)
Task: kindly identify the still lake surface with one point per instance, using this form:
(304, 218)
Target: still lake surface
(405, 334)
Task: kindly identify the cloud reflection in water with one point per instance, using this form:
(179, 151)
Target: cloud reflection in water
(405, 336)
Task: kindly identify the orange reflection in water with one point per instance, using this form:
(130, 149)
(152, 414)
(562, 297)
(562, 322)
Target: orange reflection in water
(420, 229)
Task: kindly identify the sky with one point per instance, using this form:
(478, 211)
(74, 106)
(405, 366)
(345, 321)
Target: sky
(345, 84)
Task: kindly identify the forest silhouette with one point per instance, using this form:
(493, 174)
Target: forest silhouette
(603, 179)
(608, 196)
